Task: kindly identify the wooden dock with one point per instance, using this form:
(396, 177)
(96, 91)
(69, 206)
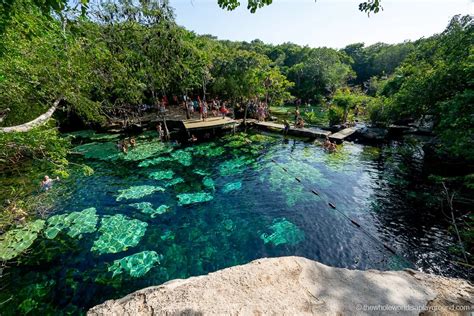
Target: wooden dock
(341, 135)
(304, 132)
(212, 122)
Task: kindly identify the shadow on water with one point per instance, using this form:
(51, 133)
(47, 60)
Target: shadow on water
(252, 209)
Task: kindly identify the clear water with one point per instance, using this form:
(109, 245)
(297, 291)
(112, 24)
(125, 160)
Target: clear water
(257, 210)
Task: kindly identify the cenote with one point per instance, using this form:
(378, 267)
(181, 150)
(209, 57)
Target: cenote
(164, 212)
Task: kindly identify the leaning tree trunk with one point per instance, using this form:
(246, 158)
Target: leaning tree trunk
(40, 120)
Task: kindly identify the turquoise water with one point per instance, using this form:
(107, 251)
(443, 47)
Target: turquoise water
(164, 212)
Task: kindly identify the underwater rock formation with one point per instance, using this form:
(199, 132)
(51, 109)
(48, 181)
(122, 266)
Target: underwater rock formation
(296, 286)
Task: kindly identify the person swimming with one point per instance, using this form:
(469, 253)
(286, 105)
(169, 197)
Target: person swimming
(132, 141)
(47, 183)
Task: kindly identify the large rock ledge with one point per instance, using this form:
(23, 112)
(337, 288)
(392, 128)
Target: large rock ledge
(297, 286)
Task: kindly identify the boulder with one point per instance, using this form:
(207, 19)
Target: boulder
(297, 286)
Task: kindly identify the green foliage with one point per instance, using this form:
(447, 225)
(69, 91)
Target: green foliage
(42, 143)
(252, 5)
(137, 265)
(118, 233)
(435, 79)
(335, 115)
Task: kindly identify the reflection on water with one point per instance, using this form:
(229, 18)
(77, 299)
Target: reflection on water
(163, 212)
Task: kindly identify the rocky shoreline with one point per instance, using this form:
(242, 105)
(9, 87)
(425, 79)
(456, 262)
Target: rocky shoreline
(298, 286)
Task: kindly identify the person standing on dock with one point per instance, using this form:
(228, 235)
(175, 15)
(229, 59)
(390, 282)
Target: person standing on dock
(203, 110)
(287, 127)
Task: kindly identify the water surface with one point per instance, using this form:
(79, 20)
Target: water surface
(254, 208)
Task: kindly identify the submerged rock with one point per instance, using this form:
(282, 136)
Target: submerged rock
(147, 208)
(77, 223)
(232, 186)
(17, 240)
(295, 286)
(283, 232)
(137, 265)
(137, 192)
(118, 233)
(190, 198)
(161, 175)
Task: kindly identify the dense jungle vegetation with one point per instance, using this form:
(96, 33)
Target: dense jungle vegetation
(103, 60)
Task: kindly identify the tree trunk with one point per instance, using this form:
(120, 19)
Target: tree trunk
(40, 120)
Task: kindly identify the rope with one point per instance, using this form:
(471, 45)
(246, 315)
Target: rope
(355, 223)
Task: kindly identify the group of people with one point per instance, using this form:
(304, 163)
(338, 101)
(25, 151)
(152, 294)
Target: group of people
(328, 145)
(123, 145)
(215, 107)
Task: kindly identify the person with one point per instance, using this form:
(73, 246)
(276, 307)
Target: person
(193, 139)
(132, 141)
(190, 107)
(119, 145)
(223, 110)
(159, 129)
(47, 183)
(327, 143)
(204, 110)
(297, 115)
(300, 122)
(287, 127)
(125, 147)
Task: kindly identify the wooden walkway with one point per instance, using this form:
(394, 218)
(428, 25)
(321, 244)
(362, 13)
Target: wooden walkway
(212, 122)
(341, 135)
(304, 132)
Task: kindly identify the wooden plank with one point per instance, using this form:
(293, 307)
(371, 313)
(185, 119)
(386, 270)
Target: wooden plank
(341, 135)
(305, 132)
(208, 123)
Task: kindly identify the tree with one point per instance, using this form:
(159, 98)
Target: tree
(252, 5)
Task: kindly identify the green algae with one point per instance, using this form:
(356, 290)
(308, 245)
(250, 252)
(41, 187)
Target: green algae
(232, 186)
(206, 150)
(16, 241)
(233, 166)
(174, 181)
(260, 138)
(191, 198)
(86, 134)
(137, 192)
(145, 150)
(283, 232)
(168, 235)
(118, 233)
(162, 175)
(154, 161)
(209, 183)
(108, 151)
(147, 208)
(183, 157)
(102, 151)
(78, 223)
(137, 265)
(201, 172)
(105, 136)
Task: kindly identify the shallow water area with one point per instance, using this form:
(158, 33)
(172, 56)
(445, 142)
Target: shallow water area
(164, 212)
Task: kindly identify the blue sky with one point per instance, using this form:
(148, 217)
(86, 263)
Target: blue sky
(332, 23)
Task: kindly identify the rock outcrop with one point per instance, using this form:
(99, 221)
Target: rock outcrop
(298, 286)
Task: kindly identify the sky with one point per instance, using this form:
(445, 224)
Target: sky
(330, 23)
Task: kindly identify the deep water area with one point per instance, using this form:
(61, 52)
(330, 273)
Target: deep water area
(166, 211)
